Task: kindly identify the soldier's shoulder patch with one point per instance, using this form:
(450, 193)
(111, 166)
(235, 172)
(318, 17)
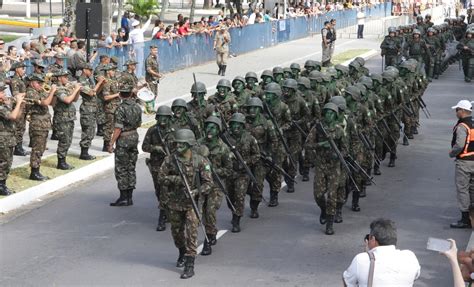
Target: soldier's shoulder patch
(207, 167)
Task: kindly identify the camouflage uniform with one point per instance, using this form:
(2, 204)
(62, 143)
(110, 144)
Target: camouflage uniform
(226, 104)
(7, 141)
(183, 219)
(65, 115)
(127, 117)
(87, 111)
(100, 99)
(111, 87)
(18, 86)
(40, 124)
(151, 63)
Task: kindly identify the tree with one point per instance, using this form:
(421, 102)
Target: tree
(143, 7)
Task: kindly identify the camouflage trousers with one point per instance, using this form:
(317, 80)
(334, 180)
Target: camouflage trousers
(367, 161)
(88, 126)
(55, 122)
(100, 111)
(6, 160)
(394, 132)
(125, 162)
(210, 204)
(65, 130)
(273, 177)
(358, 154)
(294, 144)
(38, 146)
(237, 188)
(160, 193)
(184, 229)
(409, 121)
(260, 171)
(342, 188)
(20, 127)
(109, 126)
(326, 184)
(379, 141)
(150, 105)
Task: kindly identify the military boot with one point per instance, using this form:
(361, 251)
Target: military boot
(235, 223)
(338, 216)
(254, 209)
(322, 205)
(206, 249)
(122, 200)
(405, 141)
(290, 186)
(391, 163)
(4, 190)
(188, 267)
(105, 147)
(377, 170)
(224, 67)
(180, 261)
(368, 182)
(20, 151)
(212, 239)
(329, 225)
(355, 201)
(161, 221)
(54, 136)
(465, 221)
(100, 130)
(220, 70)
(85, 154)
(363, 192)
(129, 193)
(63, 165)
(36, 175)
(305, 174)
(273, 199)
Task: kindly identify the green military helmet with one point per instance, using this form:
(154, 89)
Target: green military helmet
(179, 103)
(392, 29)
(354, 64)
(310, 63)
(267, 73)
(277, 70)
(376, 77)
(252, 75)
(406, 65)
(360, 60)
(428, 17)
(304, 82)
(416, 31)
(343, 69)
(318, 65)
(198, 87)
(431, 30)
(287, 70)
(419, 17)
(332, 72)
(340, 102)
(315, 75)
(273, 88)
(238, 118)
(366, 81)
(332, 107)
(254, 102)
(185, 136)
(295, 66)
(214, 120)
(354, 92)
(388, 75)
(238, 78)
(393, 69)
(326, 77)
(290, 84)
(224, 83)
(163, 111)
(362, 88)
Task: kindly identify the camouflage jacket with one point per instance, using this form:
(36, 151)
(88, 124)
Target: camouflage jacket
(316, 141)
(226, 106)
(128, 117)
(7, 126)
(62, 110)
(153, 145)
(151, 63)
(40, 119)
(87, 85)
(111, 87)
(248, 148)
(264, 132)
(219, 156)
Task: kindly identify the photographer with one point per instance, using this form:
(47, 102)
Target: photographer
(382, 264)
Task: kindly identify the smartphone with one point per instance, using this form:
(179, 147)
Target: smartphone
(436, 244)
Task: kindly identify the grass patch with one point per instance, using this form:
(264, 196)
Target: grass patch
(18, 180)
(347, 55)
(9, 38)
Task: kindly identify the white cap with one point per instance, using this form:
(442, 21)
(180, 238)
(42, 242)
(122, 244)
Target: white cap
(463, 104)
(135, 23)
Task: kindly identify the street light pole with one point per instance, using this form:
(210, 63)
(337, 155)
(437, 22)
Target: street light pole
(38, 13)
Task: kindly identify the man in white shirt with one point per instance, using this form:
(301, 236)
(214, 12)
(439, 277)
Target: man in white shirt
(136, 39)
(360, 23)
(393, 267)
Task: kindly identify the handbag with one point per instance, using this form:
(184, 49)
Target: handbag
(370, 281)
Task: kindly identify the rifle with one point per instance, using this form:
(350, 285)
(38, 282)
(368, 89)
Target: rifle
(188, 193)
(359, 169)
(369, 146)
(298, 127)
(277, 168)
(221, 185)
(399, 125)
(423, 105)
(279, 133)
(165, 145)
(387, 128)
(241, 160)
(339, 155)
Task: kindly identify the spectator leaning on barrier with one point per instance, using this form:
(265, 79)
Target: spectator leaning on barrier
(386, 265)
(462, 148)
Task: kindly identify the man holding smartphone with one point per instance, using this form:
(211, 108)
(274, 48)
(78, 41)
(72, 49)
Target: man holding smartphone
(462, 148)
(382, 264)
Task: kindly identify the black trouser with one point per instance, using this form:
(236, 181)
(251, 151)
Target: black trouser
(360, 31)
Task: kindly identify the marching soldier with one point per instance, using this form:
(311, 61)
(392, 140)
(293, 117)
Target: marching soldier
(196, 170)
(466, 48)
(252, 87)
(239, 92)
(223, 101)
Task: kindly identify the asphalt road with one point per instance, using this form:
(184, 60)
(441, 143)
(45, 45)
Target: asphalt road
(75, 238)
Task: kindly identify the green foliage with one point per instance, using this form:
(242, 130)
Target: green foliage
(143, 7)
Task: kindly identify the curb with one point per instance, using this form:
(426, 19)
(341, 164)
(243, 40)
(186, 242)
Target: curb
(29, 195)
(19, 23)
